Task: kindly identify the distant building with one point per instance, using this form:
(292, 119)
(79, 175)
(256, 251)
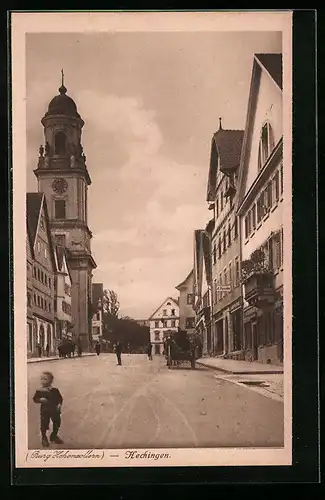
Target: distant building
(97, 319)
(163, 321)
(143, 322)
(186, 311)
(260, 210)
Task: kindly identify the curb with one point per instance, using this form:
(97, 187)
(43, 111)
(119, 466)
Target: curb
(259, 390)
(242, 372)
(31, 360)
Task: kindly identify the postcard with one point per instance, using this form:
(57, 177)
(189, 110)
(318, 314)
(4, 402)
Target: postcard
(152, 238)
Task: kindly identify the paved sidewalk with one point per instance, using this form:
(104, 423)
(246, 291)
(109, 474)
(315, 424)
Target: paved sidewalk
(239, 367)
(54, 358)
(268, 385)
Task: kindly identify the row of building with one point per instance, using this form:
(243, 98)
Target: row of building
(60, 300)
(233, 296)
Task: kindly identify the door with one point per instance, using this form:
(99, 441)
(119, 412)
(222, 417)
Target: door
(254, 342)
(49, 337)
(157, 349)
(226, 335)
(30, 337)
(279, 332)
(42, 337)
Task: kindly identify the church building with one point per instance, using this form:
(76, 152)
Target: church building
(64, 179)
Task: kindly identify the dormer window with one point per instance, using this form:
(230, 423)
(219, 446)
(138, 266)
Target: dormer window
(266, 145)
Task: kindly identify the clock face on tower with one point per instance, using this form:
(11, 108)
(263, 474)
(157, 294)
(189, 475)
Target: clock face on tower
(59, 185)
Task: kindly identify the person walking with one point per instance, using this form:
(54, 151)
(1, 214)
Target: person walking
(118, 352)
(98, 348)
(149, 351)
(79, 347)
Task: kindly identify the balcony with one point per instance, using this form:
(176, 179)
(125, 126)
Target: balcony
(258, 281)
(259, 289)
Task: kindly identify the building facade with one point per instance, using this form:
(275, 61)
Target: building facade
(64, 179)
(203, 287)
(63, 310)
(186, 311)
(163, 321)
(97, 319)
(31, 326)
(260, 214)
(225, 244)
(42, 282)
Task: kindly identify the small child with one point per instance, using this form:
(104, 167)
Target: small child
(51, 401)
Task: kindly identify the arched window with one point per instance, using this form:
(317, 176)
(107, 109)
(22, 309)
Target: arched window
(266, 145)
(60, 143)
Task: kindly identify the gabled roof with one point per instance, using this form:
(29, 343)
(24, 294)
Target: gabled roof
(272, 65)
(61, 257)
(226, 148)
(168, 298)
(33, 210)
(186, 279)
(35, 203)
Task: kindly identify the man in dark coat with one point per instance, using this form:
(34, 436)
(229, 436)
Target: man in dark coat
(97, 348)
(149, 351)
(118, 352)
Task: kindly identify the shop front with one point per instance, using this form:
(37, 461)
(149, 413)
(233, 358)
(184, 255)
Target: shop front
(219, 337)
(45, 343)
(263, 334)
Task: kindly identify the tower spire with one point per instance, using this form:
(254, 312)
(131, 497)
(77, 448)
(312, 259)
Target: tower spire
(220, 123)
(62, 89)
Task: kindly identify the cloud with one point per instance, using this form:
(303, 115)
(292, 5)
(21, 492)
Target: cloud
(143, 205)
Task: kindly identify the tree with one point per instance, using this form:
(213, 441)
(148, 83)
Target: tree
(111, 303)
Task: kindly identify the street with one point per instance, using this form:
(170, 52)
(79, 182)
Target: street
(142, 404)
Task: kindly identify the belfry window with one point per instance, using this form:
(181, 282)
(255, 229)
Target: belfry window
(60, 143)
(60, 209)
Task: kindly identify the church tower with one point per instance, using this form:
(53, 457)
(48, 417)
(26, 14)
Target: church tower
(63, 177)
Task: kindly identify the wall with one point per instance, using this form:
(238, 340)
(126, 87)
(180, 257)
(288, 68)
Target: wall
(75, 195)
(271, 222)
(268, 107)
(185, 310)
(79, 301)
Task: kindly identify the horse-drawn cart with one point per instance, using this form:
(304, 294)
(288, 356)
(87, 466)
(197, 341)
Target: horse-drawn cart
(180, 348)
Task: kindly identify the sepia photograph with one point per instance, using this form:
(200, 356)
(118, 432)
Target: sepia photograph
(152, 237)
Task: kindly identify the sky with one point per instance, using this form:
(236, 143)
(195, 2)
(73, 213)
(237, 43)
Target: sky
(151, 103)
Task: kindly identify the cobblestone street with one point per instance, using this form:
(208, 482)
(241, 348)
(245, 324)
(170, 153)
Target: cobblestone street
(143, 404)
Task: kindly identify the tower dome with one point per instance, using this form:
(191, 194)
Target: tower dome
(62, 104)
